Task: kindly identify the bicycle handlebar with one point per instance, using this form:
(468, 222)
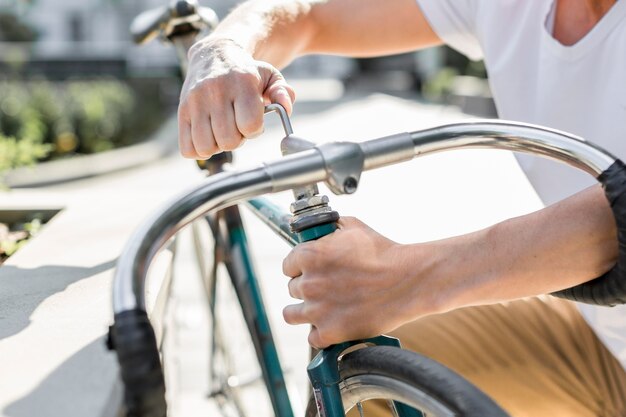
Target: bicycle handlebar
(340, 165)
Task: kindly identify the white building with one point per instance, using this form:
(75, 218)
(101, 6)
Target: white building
(80, 31)
(95, 29)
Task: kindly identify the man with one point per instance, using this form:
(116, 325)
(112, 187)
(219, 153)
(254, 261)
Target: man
(557, 63)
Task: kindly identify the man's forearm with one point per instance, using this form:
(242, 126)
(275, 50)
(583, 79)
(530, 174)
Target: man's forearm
(277, 31)
(274, 31)
(558, 247)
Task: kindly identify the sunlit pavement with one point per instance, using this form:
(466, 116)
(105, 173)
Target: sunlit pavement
(430, 198)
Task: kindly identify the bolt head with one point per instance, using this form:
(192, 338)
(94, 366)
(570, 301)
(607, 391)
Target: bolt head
(350, 185)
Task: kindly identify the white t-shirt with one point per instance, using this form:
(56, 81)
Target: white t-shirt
(535, 79)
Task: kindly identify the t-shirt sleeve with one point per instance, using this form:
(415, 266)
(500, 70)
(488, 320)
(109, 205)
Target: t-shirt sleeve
(454, 21)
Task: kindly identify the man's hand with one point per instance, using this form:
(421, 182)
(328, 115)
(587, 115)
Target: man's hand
(353, 284)
(232, 73)
(223, 98)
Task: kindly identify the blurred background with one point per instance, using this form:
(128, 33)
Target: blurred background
(72, 82)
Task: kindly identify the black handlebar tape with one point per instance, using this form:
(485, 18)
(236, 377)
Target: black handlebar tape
(610, 288)
(133, 339)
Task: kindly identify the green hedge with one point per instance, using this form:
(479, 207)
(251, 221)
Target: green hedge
(41, 120)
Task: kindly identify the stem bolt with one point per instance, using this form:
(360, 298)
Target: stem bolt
(349, 185)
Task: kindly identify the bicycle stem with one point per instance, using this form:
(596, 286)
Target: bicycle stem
(339, 164)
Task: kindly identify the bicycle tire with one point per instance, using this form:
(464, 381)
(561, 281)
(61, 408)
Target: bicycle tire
(389, 373)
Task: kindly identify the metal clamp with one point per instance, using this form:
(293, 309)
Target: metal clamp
(344, 160)
(344, 164)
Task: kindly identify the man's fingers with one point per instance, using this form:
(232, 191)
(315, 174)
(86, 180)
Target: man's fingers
(282, 94)
(202, 136)
(315, 339)
(249, 115)
(294, 288)
(294, 314)
(218, 112)
(184, 139)
(278, 91)
(225, 131)
(291, 267)
(348, 221)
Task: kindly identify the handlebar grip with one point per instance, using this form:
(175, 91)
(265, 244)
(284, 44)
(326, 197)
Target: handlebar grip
(134, 341)
(146, 26)
(610, 288)
(181, 17)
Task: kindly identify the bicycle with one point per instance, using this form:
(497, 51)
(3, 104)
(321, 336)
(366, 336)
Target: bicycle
(341, 381)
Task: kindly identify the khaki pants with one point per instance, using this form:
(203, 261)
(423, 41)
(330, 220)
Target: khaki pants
(535, 357)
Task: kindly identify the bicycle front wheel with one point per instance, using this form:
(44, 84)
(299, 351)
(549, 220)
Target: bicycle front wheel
(393, 374)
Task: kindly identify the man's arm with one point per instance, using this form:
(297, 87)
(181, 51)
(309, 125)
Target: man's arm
(278, 31)
(355, 283)
(232, 73)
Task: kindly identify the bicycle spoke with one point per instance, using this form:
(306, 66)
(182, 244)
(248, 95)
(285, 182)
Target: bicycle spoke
(360, 407)
(392, 407)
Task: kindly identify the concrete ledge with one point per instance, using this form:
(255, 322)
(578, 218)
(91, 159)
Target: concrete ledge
(55, 301)
(161, 143)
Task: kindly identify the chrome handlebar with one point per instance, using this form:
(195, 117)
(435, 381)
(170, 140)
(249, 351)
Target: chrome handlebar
(339, 164)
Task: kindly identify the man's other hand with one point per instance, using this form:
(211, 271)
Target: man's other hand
(354, 283)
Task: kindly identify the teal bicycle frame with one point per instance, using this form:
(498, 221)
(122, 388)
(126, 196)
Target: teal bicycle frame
(238, 263)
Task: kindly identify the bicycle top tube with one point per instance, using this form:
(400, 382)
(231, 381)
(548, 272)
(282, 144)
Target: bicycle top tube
(340, 165)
